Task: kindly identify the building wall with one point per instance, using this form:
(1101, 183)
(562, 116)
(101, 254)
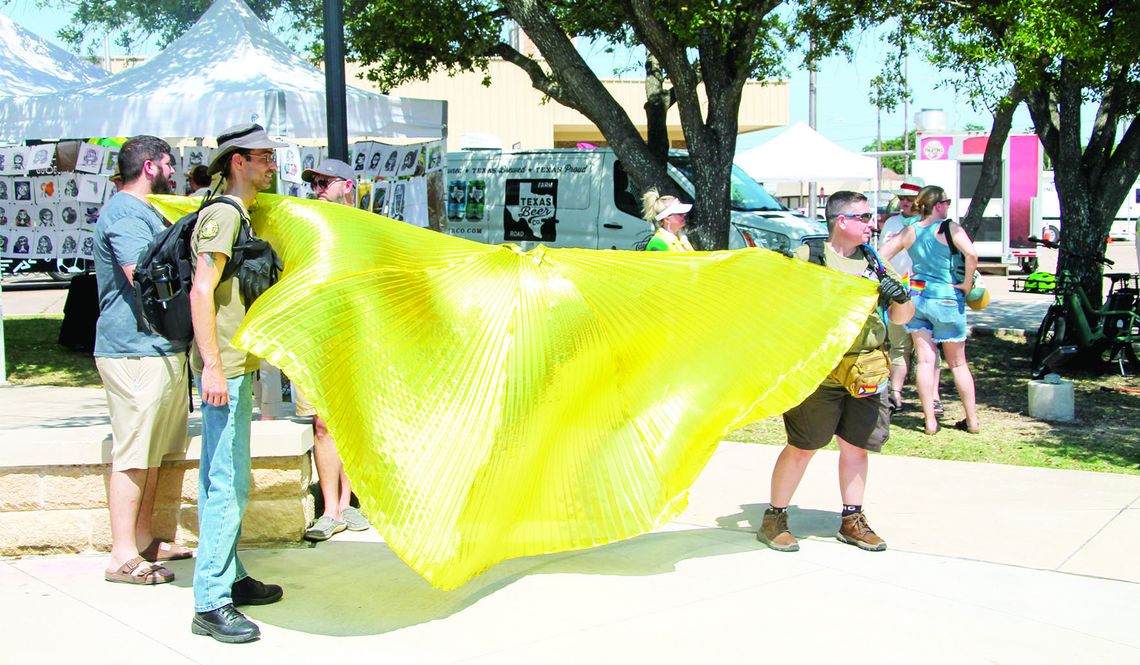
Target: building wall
(512, 110)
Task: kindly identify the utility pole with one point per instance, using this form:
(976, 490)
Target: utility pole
(335, 104)
(906, 113)
(811, 123)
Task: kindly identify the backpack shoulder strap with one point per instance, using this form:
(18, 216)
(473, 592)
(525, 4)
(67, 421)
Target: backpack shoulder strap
(815, 251)
(244, 233)
(945, 229)
(873, 260)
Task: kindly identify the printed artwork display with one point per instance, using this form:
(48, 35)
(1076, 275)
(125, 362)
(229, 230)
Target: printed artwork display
(68, 185)
(391, 161)
(435, 156)
(69, 244)
(68, 213)
(194, 156)
(396, 202)
(409, 160)
(40, 157)
(380, 197)
(110, 161)
(86, 245)
(45, 216)
(47, 190)
(90, 158)
(289, 164)
(4, 190)
(309, 158)
(91, 189)
(22, 191)
(18, 161)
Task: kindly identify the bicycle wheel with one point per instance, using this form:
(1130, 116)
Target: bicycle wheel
(1050, 337)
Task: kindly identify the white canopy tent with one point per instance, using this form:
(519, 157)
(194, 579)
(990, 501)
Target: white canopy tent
(29, 65)
(227, 69)
(801, 154)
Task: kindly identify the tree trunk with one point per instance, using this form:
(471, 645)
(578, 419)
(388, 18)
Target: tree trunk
(1091, 183)
(990, 177)
(580, 89)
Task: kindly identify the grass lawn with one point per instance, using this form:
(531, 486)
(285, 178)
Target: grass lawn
(1104, 437)
(34, 358)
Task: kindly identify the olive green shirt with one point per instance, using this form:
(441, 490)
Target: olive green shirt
(216, 232)
(874, 333)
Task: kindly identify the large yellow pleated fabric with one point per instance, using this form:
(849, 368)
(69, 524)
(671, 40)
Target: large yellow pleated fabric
(490, 403)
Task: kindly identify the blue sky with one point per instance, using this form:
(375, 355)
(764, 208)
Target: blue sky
(844, 113)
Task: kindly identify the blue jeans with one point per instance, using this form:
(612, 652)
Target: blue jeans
(223, 492)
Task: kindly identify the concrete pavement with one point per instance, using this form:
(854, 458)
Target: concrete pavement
(987, 564)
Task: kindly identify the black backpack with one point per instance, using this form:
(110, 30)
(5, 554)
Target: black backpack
(165, 272)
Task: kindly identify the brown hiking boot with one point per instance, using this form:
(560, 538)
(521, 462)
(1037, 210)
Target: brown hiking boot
(855, 531)
(774, 532)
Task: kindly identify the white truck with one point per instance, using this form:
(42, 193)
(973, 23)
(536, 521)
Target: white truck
(953, 161)
(1047, 212)
(584, 198)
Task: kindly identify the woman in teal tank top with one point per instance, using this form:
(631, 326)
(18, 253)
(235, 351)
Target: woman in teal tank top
(940, 302)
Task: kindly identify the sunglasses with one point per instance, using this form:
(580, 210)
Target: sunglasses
(945, 201)
(864, 217)
(265, 157)
(325, 183)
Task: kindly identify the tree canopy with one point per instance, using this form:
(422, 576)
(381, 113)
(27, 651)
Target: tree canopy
(717, 46)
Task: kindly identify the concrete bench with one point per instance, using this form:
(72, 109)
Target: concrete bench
(55, 453)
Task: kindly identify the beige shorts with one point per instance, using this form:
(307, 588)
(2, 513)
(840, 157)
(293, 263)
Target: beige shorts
(304, 407)
(902, 346)
(148, 399)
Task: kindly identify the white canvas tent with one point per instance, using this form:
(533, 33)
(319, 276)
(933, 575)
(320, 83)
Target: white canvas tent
(801, 154)
(227, 69)
(30, 65)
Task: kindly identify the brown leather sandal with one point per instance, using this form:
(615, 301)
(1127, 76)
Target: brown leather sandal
(964, 425)
(139, 571)
(154, 552)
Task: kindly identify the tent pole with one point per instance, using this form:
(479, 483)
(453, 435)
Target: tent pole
(335, 104)
(3, 360)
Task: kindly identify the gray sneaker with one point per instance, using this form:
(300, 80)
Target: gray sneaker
(354, 519)
(324, 528)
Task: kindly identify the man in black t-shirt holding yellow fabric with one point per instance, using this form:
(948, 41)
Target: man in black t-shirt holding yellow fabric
(224, 375)
(847, 405)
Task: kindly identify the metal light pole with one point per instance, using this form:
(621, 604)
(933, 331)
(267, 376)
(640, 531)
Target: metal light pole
(335, 104)
(811, 123)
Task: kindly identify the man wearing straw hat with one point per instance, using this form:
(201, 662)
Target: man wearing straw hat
(224, 375)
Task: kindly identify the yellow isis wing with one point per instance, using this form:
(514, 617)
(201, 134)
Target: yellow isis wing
(490, 403)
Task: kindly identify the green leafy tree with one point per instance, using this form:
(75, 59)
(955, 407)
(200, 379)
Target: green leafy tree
(1054, 56)
(896, 163)
(717, 46)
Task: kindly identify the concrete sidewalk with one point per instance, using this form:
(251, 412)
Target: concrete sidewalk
(987, 564)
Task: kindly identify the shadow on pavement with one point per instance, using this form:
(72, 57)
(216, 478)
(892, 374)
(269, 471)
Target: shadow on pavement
(363, 588)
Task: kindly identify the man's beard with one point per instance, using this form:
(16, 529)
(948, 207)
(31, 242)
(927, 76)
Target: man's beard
(161, 185)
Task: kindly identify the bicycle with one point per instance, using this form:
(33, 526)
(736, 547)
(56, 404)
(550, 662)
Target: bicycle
(1072, 325)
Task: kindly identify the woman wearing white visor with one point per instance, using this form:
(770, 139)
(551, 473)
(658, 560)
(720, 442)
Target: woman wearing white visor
(667, 214)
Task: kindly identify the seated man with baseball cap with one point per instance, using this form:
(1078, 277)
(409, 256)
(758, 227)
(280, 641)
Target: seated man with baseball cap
(332, 180)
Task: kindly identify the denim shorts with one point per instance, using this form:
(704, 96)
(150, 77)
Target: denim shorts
(943, 318)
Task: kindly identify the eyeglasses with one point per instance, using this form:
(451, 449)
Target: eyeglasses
(864, 217)
(325, 183)
(264, 157)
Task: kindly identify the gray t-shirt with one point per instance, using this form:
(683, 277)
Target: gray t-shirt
(125, 228)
